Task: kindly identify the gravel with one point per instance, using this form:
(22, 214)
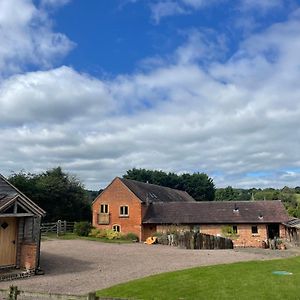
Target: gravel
(80, 266)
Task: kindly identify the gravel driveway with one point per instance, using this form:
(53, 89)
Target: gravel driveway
(79, 266)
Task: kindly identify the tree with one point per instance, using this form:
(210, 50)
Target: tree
(198, 185)
(226, 194)
(61, 195)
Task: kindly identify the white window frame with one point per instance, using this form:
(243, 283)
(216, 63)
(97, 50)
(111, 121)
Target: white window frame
(121, 213)
(106, 211)
(116, 226)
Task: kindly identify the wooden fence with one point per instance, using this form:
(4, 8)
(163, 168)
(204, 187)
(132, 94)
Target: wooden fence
(15, 294)
(59, 227)
(191, 240)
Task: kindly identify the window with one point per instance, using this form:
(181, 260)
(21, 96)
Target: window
(254, 229)
(124, 211)
(104, 209)
(116, 228)
(234, 229)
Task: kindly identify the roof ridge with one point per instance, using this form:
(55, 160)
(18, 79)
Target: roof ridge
(161, 186)
(18, 192)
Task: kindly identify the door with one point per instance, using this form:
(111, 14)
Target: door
(8, 232)
(273, 231)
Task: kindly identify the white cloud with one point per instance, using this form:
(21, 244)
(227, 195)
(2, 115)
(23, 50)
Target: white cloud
(27, 38)
(165, 9)
(54, 3)
(228, 119)
(261, 5)
(57, 96)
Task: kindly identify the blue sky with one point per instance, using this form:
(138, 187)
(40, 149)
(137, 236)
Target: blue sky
(100, 87)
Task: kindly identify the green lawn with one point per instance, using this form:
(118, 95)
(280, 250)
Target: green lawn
(248, 280)
(73, 236)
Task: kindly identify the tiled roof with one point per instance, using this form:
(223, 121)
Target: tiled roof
(214, 212)
(9, 193)
(147, 192)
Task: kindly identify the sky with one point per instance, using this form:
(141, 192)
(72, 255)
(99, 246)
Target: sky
(99, 87)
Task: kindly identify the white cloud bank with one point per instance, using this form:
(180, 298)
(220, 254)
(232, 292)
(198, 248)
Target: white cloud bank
(231, 119)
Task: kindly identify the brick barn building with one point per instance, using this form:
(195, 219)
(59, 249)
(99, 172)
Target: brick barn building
(20, 220)
(144, 209)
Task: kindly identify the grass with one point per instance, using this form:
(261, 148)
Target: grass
(73, 236)
(246, 280)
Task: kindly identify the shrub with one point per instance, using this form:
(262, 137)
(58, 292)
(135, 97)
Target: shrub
(82, 228)
(113, 235)
(94, 232)
(131, 237)
(101, 234)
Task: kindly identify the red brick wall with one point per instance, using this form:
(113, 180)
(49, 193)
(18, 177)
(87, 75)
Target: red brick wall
(116, 195)
(244, 237)
(28, 256)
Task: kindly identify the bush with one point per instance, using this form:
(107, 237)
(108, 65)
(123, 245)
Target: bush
(94, 232)
(113, 235)
(131, 237)
(82, 228)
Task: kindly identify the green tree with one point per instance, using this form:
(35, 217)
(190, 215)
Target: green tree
(226, 194)
(199, 185)
(61, 195)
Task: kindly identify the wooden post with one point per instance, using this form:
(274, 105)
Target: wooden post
(13, 293)
(92, 296)
(65, 227)
(58, 227)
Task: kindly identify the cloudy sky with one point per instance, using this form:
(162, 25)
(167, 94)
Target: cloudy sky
(99, 87)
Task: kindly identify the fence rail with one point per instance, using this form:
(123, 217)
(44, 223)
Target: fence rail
(15, 294)
(59, 227)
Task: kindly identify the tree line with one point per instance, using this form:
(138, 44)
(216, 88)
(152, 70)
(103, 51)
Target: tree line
(63, 196)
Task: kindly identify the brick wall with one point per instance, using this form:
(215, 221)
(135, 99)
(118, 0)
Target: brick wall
(244, 236)
(171, 228)
(28, 256)
(116, 195)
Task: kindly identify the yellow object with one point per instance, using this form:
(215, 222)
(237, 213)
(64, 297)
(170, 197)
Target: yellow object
(151, 240)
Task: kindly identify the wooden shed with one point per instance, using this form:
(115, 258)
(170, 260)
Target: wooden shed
(293, 231)
(20, 221)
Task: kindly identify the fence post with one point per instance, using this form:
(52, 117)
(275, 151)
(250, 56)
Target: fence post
(65, 227)
(58, 227)
(92, 296)
(13, 293)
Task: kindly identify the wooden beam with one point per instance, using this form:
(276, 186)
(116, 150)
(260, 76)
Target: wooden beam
(17, 215)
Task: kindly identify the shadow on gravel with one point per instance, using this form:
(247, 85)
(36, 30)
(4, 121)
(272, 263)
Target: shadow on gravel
(53, 264)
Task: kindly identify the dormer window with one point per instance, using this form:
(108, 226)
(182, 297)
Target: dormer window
(236, 209)
(124, 211)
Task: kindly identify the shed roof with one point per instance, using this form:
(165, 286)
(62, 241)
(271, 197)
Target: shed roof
(213, 212)
(293, 223)
(152, 193)
(9, 194)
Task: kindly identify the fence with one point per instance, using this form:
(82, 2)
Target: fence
(59, 227)
(15, 294)
(191, 240)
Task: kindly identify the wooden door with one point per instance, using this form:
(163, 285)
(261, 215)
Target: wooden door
(8, 234)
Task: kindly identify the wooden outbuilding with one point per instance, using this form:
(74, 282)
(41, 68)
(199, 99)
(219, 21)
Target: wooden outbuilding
(20, 221)
(292, 228)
